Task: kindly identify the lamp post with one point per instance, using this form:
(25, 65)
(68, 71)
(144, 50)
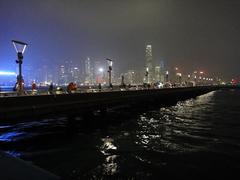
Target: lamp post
(110, 63)
(189, 77)
(20, 48)
(167, 76)
(146, 75)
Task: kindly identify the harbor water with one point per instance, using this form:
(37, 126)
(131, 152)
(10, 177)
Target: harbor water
(197, 137)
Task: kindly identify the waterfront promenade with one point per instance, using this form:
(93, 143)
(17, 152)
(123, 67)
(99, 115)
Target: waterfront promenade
(15, 107)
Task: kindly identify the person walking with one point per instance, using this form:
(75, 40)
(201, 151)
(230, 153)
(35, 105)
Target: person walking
(34, 88)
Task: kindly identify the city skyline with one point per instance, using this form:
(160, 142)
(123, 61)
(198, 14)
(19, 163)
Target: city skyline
(190, 35)
(92, 72)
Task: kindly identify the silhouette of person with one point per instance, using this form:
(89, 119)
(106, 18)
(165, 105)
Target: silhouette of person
(50, 89)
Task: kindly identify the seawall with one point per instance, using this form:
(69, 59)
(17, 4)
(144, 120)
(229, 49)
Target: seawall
(63, 104)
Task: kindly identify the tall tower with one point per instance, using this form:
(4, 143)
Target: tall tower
(149, 64)
(62, 76)
(88, 71)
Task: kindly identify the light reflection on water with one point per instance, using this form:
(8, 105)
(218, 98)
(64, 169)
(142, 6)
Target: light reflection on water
(191, 135)
(162, 131)
(10, 136)
(109, 167)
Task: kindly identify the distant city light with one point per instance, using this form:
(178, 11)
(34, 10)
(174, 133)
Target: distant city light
(7, 73)
(179, 74)
(100, 69)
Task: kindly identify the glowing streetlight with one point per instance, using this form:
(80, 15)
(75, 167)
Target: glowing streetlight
(101, 70)
(167, 76)
(100, 75)
(20, 48)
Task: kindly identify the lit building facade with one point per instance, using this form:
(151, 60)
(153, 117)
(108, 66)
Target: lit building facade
(88, 72)
(62, 77)
(149, 65)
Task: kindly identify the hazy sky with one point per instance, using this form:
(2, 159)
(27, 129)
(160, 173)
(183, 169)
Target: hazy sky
(183, 33)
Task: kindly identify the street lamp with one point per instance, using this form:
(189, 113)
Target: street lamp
(20, 48)
(110, 63)
(100, 70)
(195, 79)
(146, 74)
(167, 76)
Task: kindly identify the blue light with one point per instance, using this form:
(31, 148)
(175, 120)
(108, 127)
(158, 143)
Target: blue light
(7, 73)
(10, 136)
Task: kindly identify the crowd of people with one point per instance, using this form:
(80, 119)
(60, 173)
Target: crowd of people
(72, 88)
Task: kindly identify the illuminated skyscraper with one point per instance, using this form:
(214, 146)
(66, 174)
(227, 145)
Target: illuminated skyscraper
(149, 64)
(76, 75)
(62, 75)
(157, 73)
(88, 72)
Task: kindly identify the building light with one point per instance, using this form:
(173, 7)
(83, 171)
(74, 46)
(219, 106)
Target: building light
(179, 74)
(100, 70)
(7, 73)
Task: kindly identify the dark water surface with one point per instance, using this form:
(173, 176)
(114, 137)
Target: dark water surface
(194, 138)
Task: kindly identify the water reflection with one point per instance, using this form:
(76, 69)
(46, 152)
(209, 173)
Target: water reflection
(176, 128)
(13, 153)
(10, 136)
(110, 166)
(107, 146)
(191, 135)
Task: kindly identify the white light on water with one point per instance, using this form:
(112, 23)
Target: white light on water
(7, 73)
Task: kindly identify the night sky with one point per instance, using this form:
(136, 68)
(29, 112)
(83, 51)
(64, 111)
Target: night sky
(189, 34)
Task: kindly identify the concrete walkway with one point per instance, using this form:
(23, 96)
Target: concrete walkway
(12, 168)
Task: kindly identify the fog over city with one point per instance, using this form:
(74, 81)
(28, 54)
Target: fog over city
(189, 34)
